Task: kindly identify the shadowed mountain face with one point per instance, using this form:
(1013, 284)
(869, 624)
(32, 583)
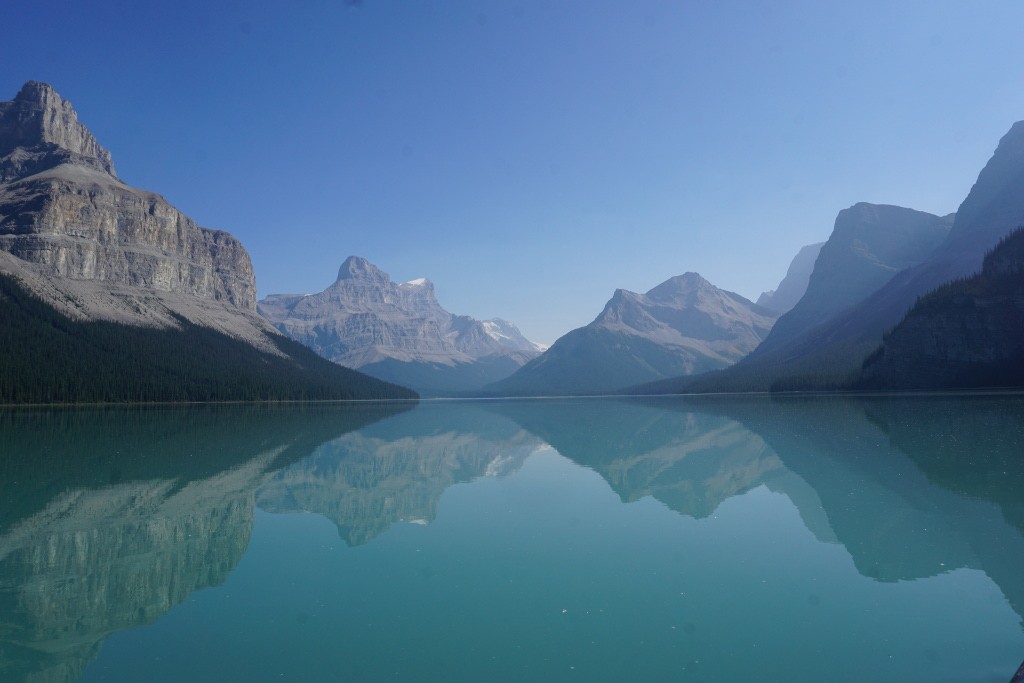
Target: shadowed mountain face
(109, 518)
(398, 332)
(969, 333)
(793, 286)
(685, 325)
(805, 351)
(993, 208)
(869, 244)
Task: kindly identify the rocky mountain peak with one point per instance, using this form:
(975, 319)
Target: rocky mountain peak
(66, 217)
(358, 268)
(679, 286)
(39, 130)
(367, 321)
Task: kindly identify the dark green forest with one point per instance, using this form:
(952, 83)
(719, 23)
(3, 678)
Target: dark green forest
(45, 357)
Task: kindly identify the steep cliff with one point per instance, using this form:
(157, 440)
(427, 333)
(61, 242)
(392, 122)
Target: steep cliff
(63, 210)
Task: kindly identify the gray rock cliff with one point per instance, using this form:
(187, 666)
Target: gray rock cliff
(99, 249)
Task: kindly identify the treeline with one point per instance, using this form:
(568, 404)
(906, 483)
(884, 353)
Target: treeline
(46, 357)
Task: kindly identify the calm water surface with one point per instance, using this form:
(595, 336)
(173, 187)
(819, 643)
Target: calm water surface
(833, 539)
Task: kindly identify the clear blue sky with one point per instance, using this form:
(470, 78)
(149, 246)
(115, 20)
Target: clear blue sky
(530, 157)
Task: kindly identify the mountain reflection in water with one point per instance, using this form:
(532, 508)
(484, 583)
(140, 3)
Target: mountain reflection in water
(111, 518)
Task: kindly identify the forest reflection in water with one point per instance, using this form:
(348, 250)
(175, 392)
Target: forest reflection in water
(111, 519)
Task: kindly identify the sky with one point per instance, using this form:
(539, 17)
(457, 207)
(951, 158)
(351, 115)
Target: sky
(530, 157)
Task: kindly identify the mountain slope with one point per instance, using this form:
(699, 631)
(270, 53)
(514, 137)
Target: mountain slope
(967, 333)
(684, 325)
(869, 244)
(992, 209)
(127, 297)
(398, 332)
(794, 284)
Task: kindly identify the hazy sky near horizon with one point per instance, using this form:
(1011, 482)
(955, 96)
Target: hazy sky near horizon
(531, 157)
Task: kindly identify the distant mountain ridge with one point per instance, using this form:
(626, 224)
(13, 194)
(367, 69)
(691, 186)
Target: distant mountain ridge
(398, 331)
(684, 325)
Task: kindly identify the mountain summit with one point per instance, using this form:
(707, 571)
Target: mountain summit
(40, 130)
(685, 325)
(398, 332)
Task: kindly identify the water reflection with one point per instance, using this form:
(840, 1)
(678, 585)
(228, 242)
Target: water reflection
(911, 486)
(108, 519)
(397, 470)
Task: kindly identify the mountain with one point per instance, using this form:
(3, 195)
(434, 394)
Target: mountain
(870, 245)
(685, 325)
(509, 336)
(967, 333)
(398, 332)
(793, 286)
(109, 293)
(993, 208)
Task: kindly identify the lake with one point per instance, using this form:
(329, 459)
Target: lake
(675, 539)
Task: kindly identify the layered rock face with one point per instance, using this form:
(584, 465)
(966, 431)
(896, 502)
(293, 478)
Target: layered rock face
(96, 248)
(685, 325)
(396, 331)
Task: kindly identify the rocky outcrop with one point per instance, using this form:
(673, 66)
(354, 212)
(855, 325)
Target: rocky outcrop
(63, 210)
(39, 130)
(683, 326)
(793, 286)
(396, 331)
(95, 248)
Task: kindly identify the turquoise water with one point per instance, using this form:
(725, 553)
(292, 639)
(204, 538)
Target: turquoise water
(838, 539)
